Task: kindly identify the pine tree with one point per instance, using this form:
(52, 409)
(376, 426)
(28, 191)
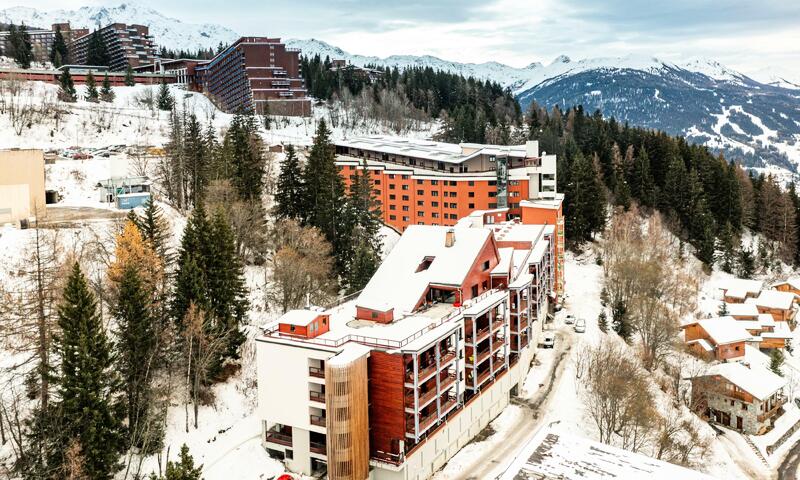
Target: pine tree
(129, 78)
(289, 189)
(190, 282)
(19, 46)
(87, 383)
(726, 248)
(620, 322)
(59, 54)
(136, 350)
(97, 51)
(723, 309)
(747, 263)
(584, 203)
(183, 469)
(362, 267)
(244, 157)
(91, 88)
(155, 230)
(776, 361)
(196, 160)
(325, 198)
(602, 321)
(165, 101)
(106, 93)
(66, 91)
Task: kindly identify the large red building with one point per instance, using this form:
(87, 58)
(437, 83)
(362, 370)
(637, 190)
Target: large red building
(127, 46)
(421, 182)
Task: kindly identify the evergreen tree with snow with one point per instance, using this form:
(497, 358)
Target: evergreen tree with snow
(197, 160)
(642, 183)
(155, 229)
(92, 95)
(620, 321)
(746, 266)
(129, 78)
(164, 100)
(59, 53)
(183, 469)
(190, 277)
(106, 92)
(365, 221)
(136, 353)
(66, 91)
(243, 154)
(584, 202)
(19, 46)
(776, 361)
(86, 382)
(289, 189)
(723, 309)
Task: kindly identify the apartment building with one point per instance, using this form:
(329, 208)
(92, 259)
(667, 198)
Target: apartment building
(420, 182)
(392, 383)
(256, 73)
(42, 39)
(128, 45)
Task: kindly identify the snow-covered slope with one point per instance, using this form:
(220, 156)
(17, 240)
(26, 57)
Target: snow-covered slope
(168, 32)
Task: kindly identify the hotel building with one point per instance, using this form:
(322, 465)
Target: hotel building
(391, 383)
(421, 182)
(127, 45)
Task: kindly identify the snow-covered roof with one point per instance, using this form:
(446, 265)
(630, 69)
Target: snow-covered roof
(793, 282)
(740, 287)
(350, 352)
(299, 317)
(766, 320)
(504, 266)
(703, 344)
(741, 310)
(430, 150)
(723, 330)
(781, 330)
(757, 381)
(553, 454)
(775, 299)
(397, 284)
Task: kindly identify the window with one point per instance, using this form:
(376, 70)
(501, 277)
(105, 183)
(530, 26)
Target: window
(471, 206)
(392, 196)
(434, 193)
(405, 219)
(420, 192)
(392, 217)
(485, 285)
(475, 290)
(291, 328)
(471, 183)
(434, 182)
(405, 198)
(420, 214)
(392, 207)
(391, 176)
(391, 186)
(486, 265)
(471, 195)
(289, 454)
(492, 194)
(435, 215)
(404, 187)
(419, 181)
(377, 181)
(420, 203)
(492, 205)
(405, 177)
(374, 314)
(434, 204)
(405, 208)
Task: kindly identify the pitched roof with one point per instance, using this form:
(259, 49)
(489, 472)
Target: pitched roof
(775, 299)
(793, 282)
(397, 284)
(757, 381)
(741, 309)
(723, 330)
(740, 287)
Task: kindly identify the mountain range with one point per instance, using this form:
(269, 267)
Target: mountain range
(755, 120)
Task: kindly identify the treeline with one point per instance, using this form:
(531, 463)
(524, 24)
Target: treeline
(707, 200)
(102, 389)
(199, 54)
(471, 109)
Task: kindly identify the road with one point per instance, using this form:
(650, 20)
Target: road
(487, 465)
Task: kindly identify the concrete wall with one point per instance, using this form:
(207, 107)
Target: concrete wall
(21, 184)
(750, 423)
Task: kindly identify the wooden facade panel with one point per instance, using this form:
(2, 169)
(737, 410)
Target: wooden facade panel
(386, 409)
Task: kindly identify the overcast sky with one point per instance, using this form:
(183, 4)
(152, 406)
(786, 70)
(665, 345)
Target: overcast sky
(748, 35)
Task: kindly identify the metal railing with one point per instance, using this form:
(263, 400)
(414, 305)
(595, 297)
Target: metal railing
(316, 372)
(317, 420)
(318, 448)
(316, 396)
(279, 438)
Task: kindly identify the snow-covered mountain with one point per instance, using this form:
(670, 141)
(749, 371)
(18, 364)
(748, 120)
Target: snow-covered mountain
(168, 32)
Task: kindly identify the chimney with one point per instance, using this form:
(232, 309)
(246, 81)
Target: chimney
(450, 238)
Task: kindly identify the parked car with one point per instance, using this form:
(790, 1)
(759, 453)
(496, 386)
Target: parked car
(569, 319)
(580, 325)
(548, 340)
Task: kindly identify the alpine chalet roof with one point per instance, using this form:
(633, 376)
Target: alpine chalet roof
(757, 381)
(775, 299)
(723, 330)
(398, 285)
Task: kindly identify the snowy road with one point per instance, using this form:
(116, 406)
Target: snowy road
(788, 469)
(493, 462)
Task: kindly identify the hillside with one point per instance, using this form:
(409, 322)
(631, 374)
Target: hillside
(168, 32)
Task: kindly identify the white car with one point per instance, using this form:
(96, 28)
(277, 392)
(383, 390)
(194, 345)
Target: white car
(549, 340)
(580, 325)
(569, 319)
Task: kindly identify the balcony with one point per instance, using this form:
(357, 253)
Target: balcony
(318, 448)
(317, 420)
(482, 377)
(480, 335)
(316, 396)
(497, 345)
(426, 397)
(279, 438)
(473, 359)
(316, 372)
(428, 371)
(498, 323)
(779, 402)
(424, 422)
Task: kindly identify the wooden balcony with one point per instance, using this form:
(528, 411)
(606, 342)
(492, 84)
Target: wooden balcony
(279, 438)
(480, 335)
(523, 324)
(318, 448)
(779, 403)
(426, 397)
(497, 324)
(472, 359)
(317, 420)
(316, 396)
(497, 345)
(316, 372)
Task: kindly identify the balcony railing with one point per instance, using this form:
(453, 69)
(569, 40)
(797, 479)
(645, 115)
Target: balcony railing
(318, 448)
(316, 396)
(771, 412)
(317, 420)
(279, 438)
(480, 335)
(427, 371)
(497, 324)
(426, 397)
(316, 372)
